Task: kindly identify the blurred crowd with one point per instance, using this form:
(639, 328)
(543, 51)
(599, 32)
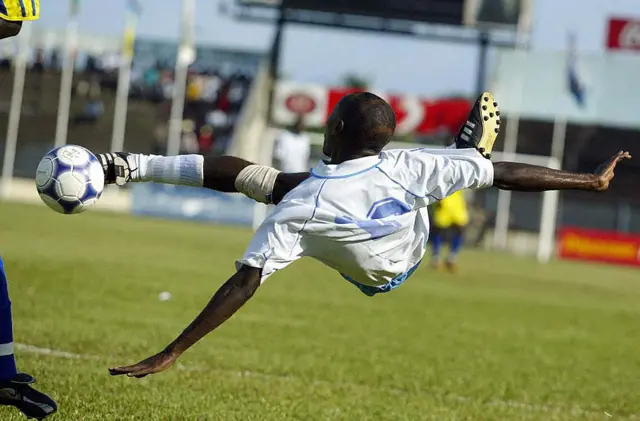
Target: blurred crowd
(213, 104)
(214, 97)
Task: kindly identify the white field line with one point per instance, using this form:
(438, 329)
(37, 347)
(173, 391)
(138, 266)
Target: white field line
(30, 349)
(573, 410)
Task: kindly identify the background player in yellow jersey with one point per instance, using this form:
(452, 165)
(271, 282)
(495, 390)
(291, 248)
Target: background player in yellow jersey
(449, 216)
(14, 12)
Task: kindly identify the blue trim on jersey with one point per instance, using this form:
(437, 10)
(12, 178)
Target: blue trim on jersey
(389, 286)
(389, 206)
(33, 8)
(374, 223)
(346, 175)
(315, 208)
(23, 9)
(3, 8)
(376, 228)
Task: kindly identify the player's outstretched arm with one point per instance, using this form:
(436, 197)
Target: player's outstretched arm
(532, 178)
(226, 301)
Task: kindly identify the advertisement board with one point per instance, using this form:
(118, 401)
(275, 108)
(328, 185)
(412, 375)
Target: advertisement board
(415, 115)
(623, 34)
(505, 14)
(599, 246)
(431, 11)
(498, 13)
(191, 203)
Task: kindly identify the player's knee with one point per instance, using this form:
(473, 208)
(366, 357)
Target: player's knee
(9, 28)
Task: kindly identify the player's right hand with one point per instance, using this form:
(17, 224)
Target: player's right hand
(155, 364)
(605, 172)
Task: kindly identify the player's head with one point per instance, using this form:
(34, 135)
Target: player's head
(362, 124)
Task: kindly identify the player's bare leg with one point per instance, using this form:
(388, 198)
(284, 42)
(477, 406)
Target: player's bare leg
(220, 173)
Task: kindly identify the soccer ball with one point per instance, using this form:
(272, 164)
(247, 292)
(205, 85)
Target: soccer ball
(70, 179)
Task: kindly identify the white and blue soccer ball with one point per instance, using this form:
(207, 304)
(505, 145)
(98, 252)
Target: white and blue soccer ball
(70, 179)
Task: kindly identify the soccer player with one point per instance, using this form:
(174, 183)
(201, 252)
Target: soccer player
(15, 389)
(292, 148)
(14, 12)
(449, 214)
(361, 212)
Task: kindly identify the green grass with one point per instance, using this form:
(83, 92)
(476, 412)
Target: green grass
(506, 339)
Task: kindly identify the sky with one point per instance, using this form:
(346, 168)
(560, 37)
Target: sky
(324, 56)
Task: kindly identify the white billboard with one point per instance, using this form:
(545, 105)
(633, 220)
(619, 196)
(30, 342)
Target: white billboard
(536, 86)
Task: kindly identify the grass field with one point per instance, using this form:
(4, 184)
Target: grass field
(506, 339)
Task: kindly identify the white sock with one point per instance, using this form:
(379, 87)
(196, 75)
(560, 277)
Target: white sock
(185, 170)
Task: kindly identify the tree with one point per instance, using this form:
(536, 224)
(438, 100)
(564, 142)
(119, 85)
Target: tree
(352, 80)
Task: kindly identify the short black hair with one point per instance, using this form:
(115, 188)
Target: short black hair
(369, 121)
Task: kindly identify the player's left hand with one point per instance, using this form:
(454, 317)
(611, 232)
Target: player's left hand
(605, 172)
(155, 364)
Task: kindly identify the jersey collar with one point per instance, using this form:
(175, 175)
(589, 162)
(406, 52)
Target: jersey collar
(347, 168)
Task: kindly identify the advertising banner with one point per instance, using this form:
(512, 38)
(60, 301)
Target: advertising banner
(623, 34)
(599, 246)
(191, 203)
(415, 115)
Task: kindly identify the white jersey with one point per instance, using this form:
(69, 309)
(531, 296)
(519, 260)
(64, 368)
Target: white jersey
(366, 218)
(292, 151)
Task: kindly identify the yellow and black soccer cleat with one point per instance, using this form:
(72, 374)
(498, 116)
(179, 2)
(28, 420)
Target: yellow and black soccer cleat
(481, 129)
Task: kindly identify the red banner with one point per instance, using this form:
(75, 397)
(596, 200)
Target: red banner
(415, 115)
(599, 246)
(623, 34)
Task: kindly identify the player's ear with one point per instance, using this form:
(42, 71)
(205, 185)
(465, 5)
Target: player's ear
(339, 127)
